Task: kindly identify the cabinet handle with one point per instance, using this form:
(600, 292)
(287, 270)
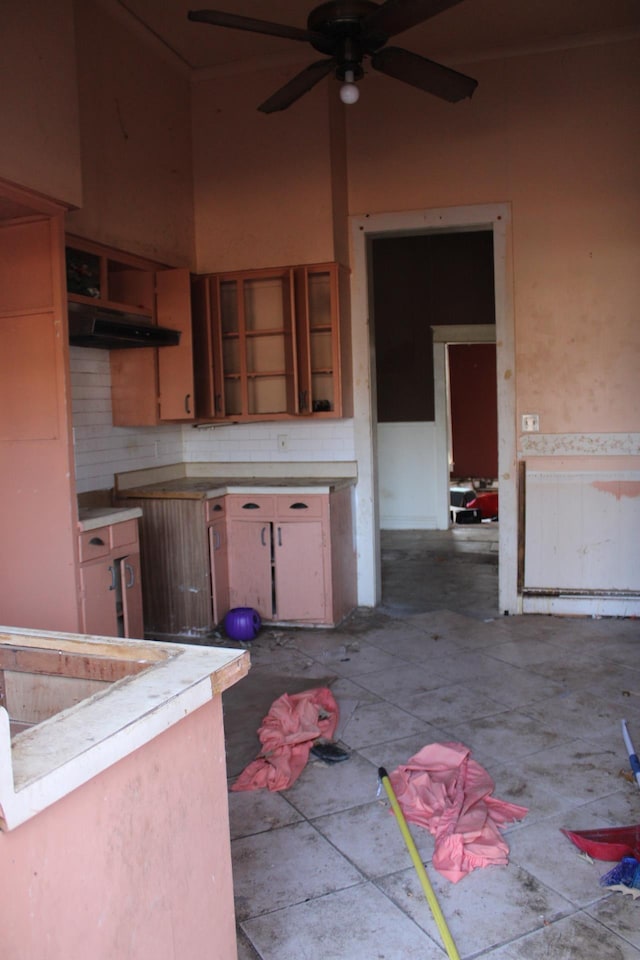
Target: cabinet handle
(262, 538)
(112, 571)
(132, 575)
(299, 506)
(250, 506)
(187, 403)
(217, 508)
(96, 542)
(279, 536)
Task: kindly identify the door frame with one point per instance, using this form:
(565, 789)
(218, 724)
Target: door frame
(443, 335)
(364, 228)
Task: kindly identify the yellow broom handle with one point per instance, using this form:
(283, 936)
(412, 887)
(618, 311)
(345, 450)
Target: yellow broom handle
(438, 916)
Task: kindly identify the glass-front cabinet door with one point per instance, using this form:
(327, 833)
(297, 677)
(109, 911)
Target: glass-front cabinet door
(258, 343)
(230, 336)
(319, 346)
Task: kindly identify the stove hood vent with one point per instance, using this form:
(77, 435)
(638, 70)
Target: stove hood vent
(92, 326)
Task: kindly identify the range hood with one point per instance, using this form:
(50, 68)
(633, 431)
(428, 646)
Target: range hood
(93, 326)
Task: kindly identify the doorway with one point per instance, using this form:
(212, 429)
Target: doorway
(477, 462)
(496, 218)
(421, 282)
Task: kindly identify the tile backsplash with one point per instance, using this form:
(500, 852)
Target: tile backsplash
(102, 450)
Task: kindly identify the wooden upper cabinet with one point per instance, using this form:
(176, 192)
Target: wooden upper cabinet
(324, 355)
(149, 385)
(269, 344)
(109, 278)
(175, 364)
(265, 344)
(154, 385)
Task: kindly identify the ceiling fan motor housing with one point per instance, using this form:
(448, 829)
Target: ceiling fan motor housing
(340, 32)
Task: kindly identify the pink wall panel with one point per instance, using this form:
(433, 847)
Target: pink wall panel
(134, 864)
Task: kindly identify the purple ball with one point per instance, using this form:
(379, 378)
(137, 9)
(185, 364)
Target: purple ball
(242, 623)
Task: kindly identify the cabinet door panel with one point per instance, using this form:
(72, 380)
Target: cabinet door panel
(132, 596)
(98, 583)
(175, 364)
(317, 301)
(218, 553)
(250, 580)
(134, 387)
(300, 571)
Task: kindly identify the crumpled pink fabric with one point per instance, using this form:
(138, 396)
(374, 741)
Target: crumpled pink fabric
(287, 735)
(443, 789)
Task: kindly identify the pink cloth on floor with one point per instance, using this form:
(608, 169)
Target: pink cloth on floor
(443, 789)
(287, 735)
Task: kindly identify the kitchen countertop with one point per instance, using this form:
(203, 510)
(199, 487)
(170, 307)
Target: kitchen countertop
(205, 488)
(91, 518)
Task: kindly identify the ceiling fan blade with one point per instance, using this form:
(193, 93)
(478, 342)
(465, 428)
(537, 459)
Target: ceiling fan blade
(299, 85)
(218, 18)
(396, 16)
(424, 74)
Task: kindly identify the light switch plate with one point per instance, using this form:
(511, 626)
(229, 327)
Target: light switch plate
(530, 422)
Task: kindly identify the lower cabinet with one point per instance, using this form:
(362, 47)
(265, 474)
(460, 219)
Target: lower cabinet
(110, 584)
(292, 557)
(184, 564)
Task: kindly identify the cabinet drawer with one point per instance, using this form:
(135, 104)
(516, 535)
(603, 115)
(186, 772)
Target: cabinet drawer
(94, 544)
(250, 507)
(124, 534)
(214, 509)
(300, 507)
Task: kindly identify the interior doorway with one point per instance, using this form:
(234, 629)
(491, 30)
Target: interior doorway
(423, 283)
(474, 465)
(496, 218)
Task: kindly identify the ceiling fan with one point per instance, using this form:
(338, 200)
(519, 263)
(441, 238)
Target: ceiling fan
(348, 32)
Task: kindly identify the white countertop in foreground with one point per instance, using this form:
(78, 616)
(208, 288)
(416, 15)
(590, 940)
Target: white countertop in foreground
(52, 758)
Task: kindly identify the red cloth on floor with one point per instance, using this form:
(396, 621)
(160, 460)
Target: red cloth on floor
(443, 789)
(287, 735)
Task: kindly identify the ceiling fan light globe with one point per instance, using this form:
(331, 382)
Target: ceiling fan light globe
(349, 93)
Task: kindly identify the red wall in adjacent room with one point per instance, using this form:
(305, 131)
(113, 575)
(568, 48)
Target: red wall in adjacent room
(474, 413)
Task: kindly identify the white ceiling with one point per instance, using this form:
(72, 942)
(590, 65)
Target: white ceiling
(473, 29)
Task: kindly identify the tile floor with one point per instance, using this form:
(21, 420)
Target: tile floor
(321, 870)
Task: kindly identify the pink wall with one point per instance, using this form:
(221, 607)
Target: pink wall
(556, 134)
(135, 130)
(135, 864)
(40, 147)
(264, 192)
